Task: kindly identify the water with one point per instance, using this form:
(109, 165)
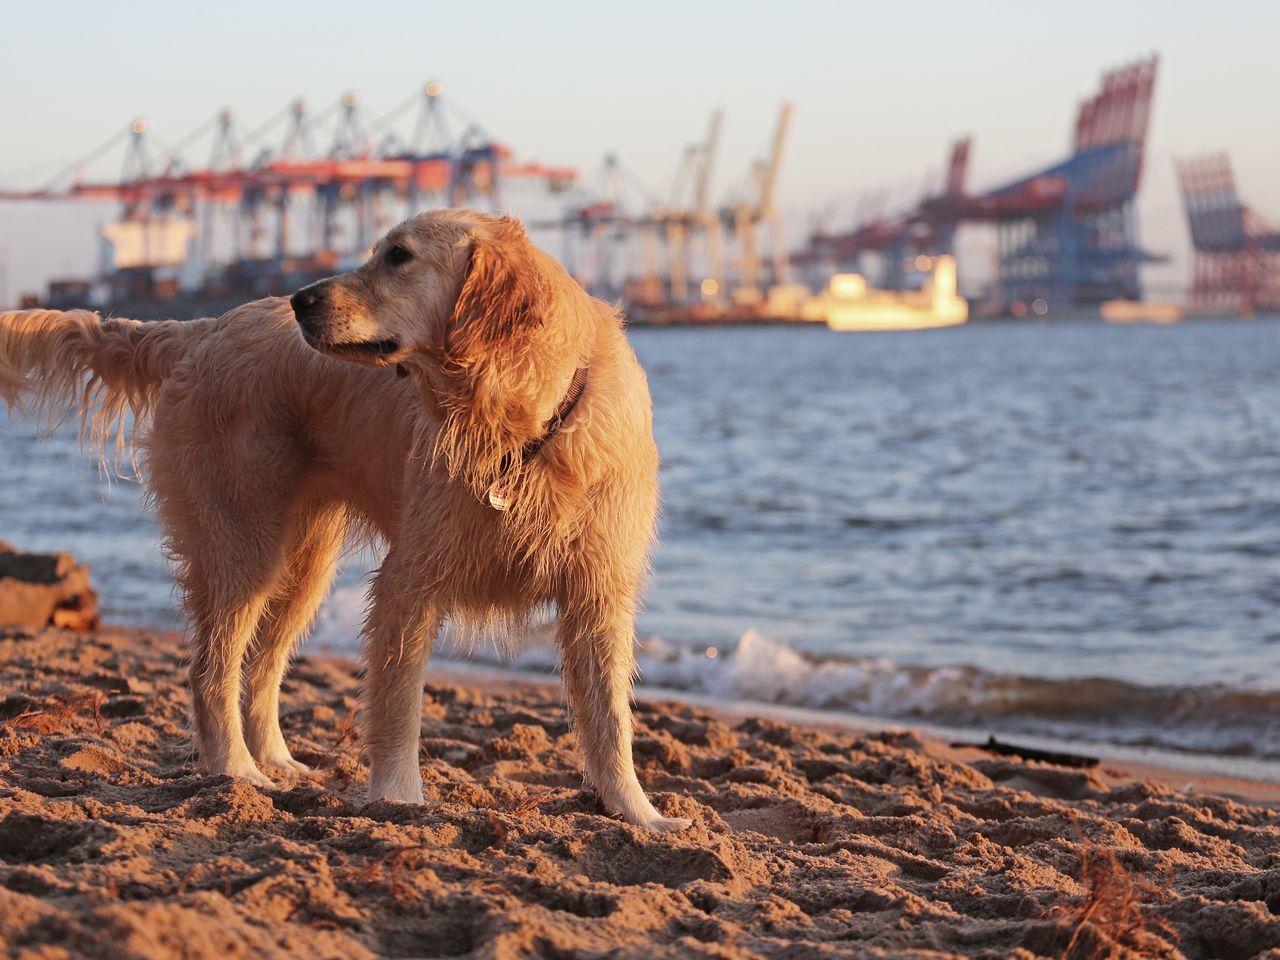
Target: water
(1067, 530)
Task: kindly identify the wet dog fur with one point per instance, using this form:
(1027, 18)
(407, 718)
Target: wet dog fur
(277, 434)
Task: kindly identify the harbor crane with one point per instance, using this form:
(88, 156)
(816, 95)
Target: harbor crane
(1237, 252)
(683, 218)
(1067, 234)
(221, 214)
(749, 213)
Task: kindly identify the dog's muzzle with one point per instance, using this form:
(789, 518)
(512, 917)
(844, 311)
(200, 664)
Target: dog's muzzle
(309, 303)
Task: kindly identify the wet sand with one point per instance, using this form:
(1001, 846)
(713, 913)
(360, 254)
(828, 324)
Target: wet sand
(808, 841)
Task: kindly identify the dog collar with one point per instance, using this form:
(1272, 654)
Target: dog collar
(499, 490)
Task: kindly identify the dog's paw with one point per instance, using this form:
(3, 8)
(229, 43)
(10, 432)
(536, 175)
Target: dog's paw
(668, 824)
(246, 771)
(285, 764)
(259, 779)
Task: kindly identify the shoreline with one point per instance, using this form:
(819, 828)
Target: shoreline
(1203, 773)
(807, 840)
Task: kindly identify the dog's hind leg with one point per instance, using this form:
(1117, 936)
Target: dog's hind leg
(597, 664)
(225, 608)
(302, 587)
(223, 501)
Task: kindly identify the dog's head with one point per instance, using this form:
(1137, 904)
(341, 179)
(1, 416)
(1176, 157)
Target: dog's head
(446, 284)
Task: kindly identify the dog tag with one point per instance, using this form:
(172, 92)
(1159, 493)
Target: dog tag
(499, 496)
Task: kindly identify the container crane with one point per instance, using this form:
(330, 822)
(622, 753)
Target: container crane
(1066, 234)
(1237, 252)
(351, 191)
(708, 218)
(747, 215)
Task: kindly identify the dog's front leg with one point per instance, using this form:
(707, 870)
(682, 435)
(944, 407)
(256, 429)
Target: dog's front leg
(598, 661)
(399, 635)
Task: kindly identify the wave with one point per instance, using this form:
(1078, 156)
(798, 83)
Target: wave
(1212, 718)
(1209, 718)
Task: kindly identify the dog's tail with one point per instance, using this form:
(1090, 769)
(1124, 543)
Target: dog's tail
(56, 365)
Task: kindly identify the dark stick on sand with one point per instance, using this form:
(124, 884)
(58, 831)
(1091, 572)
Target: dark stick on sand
(1030, 753)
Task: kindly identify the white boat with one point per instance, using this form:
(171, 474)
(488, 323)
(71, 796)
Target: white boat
(1141, 311)
(849, 303)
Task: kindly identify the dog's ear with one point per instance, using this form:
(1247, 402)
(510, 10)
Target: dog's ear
(504, 291)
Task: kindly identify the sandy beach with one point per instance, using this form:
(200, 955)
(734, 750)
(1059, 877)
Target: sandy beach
(807, 841)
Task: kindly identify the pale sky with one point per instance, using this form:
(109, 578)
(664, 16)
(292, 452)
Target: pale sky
(880, 89)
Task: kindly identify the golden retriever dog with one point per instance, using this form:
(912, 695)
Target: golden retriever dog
(458, 396)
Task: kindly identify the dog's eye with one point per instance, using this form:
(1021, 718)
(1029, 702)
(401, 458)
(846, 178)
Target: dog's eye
(398, 255)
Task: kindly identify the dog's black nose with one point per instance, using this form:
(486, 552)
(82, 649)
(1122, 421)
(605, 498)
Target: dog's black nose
(307, 297)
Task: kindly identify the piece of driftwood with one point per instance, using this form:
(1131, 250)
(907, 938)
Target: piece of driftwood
(1031, 753)
(39, 590)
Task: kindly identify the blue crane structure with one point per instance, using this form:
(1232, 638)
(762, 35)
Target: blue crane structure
(1237, 253)
(1067, 235)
